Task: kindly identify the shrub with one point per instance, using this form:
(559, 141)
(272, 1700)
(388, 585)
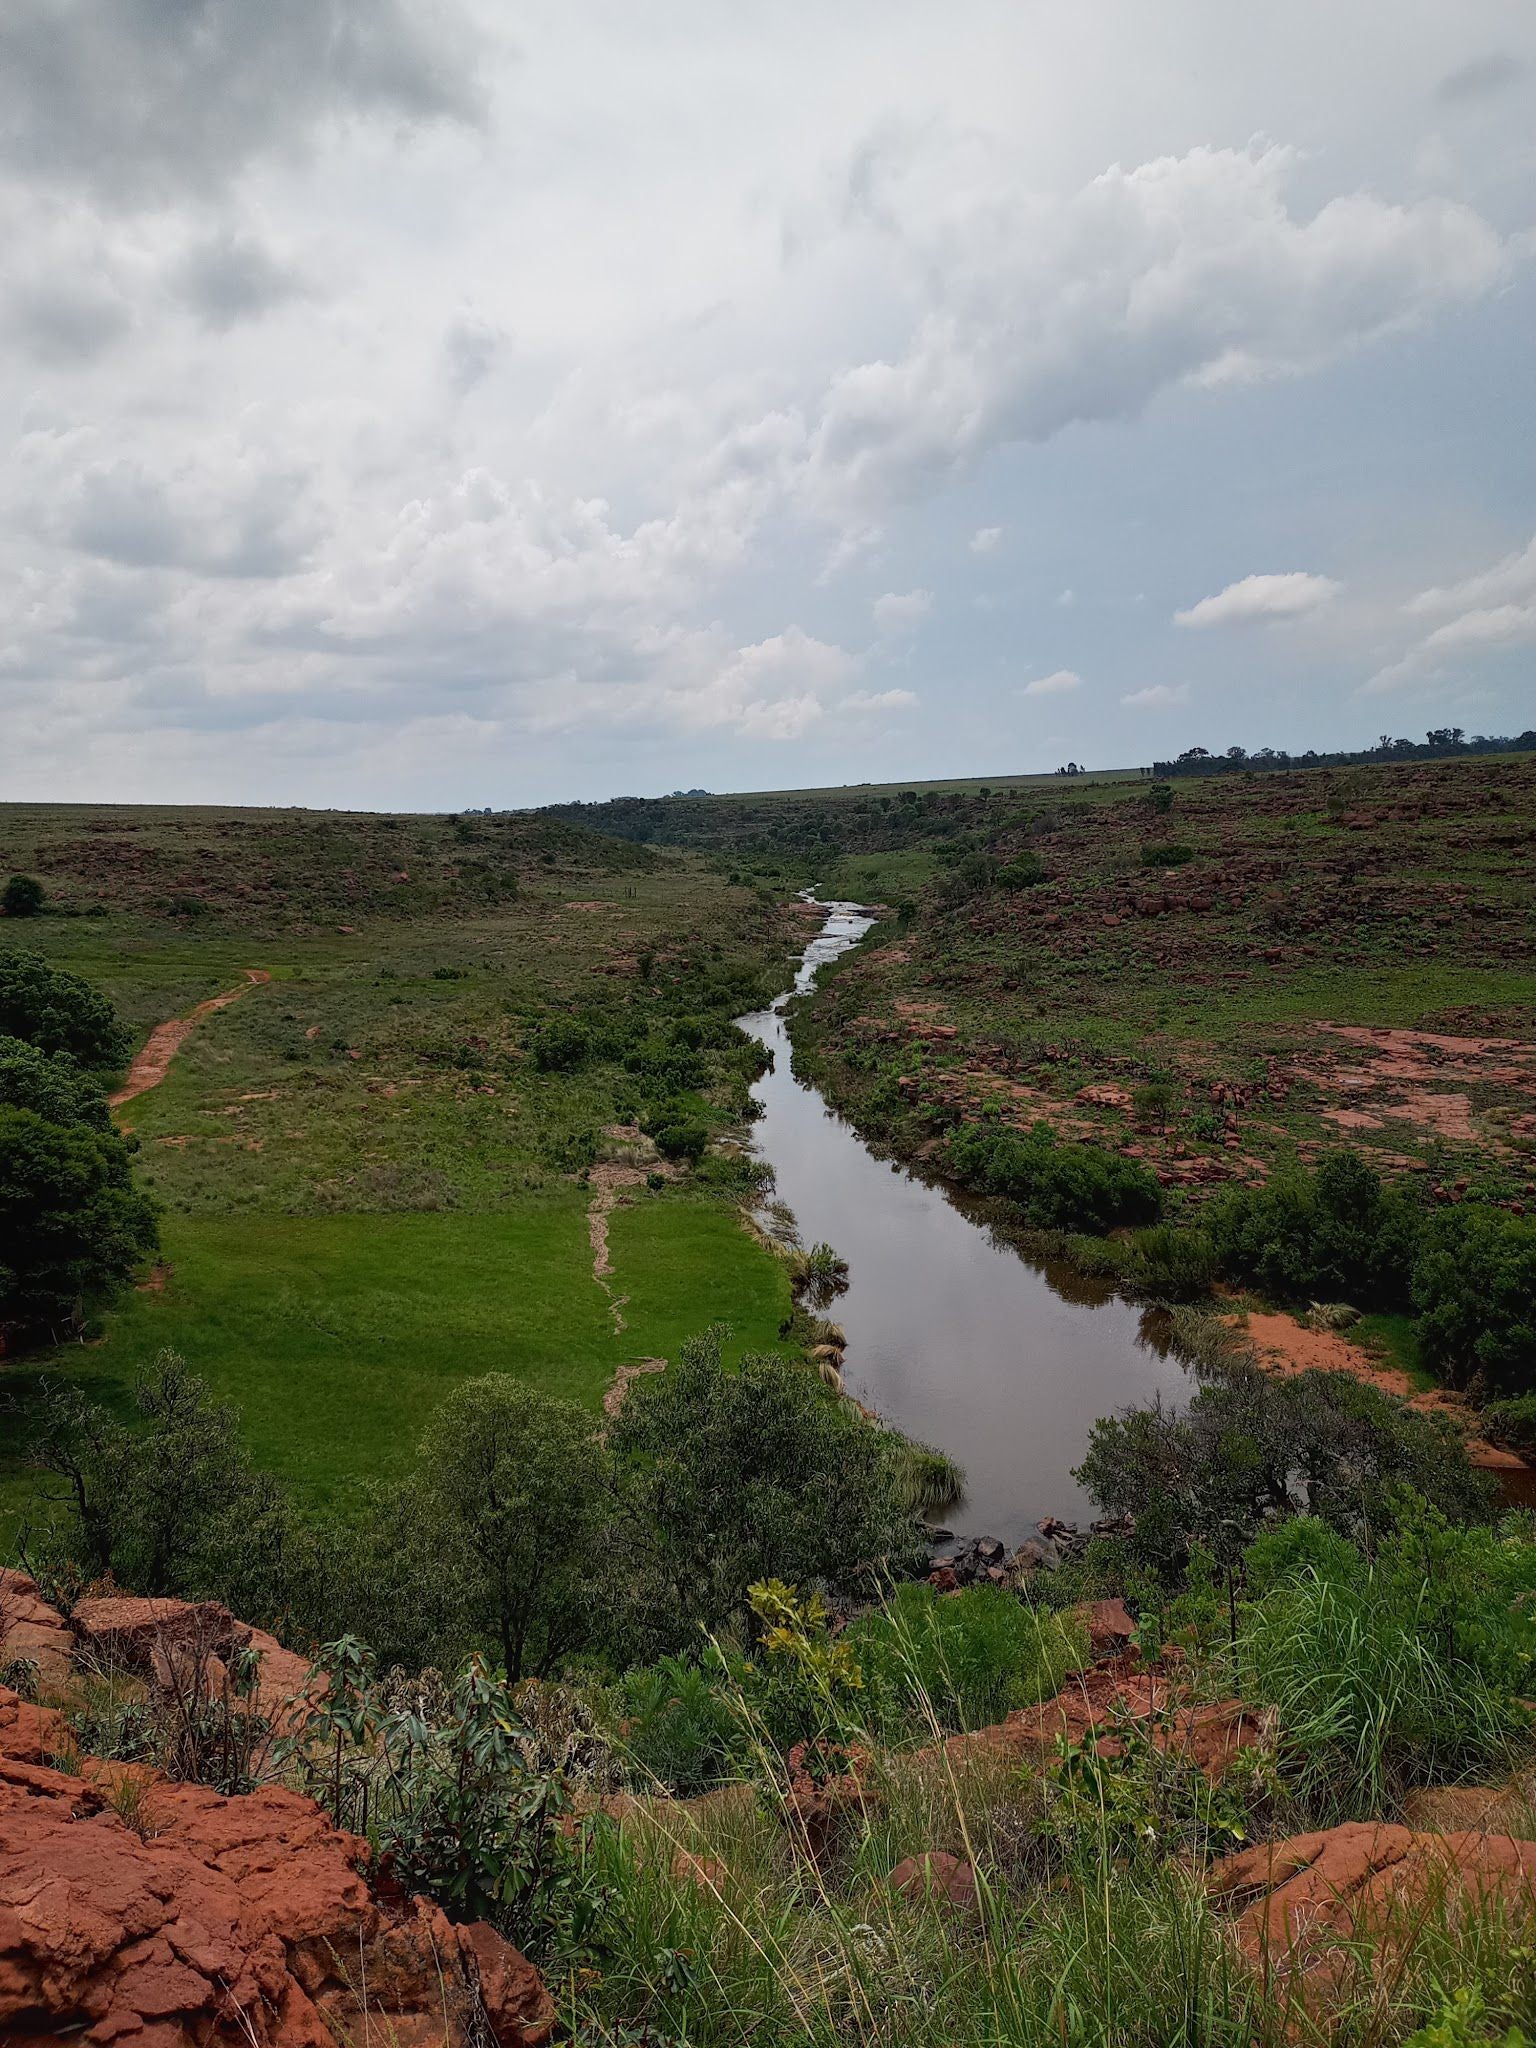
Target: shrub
(1059, 1186)
(681, 1139)
(51, 1085)
(1173, 1264)
(1024, 871)
(59, 1012)
(682, 1727)
(958, 1662)
(73, 1228)
(23, 896)
(1511, 1422)
(1332, 1235)
(560, 1046)
(1398, 1669)
(1474, 1287)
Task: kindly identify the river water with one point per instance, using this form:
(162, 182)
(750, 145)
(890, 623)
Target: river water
(953, 1337)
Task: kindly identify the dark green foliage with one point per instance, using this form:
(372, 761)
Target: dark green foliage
(1059, 1186)
(1250, 1450)
(1474, 1287)
(1333, 1235)
(51, 1084)
(72, 1226)
(1024, 871)
(1511, 1422)
(507, 1498)
(726, 1478)
(560, 1047)
(1403, 1667)
(932, 1662)
(683, 1728)
(59, 1012)
(681, 1138)
(1171, 1263)
(1167, 855)
(23, 896)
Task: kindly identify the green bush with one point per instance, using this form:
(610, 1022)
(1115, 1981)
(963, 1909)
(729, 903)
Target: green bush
(1333, 1235)
(1172, 1263)
(1474, 1287)
(51, 1085)
(73, 1228)
(681, 1139)
(934, 1663)
(682, 1725)
(560, 1046)
(59, 1012)
(1166, 856)
(1511, 1422)
(1404, 1668)
(23, 896)
(1059, 1186)
(1024, 871)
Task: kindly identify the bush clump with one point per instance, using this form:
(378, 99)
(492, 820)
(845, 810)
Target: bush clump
(1474, 1289)
(1059, 1186)
(59, 1012)
(1334, 1235)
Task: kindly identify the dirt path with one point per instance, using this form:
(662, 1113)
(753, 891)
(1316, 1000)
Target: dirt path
(1283, 1345)
(152, 1063)
(609, 1180)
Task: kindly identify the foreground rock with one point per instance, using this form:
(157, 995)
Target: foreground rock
(31, 1631)
(159, 1639)
(223, 1920)
(1295, 1901)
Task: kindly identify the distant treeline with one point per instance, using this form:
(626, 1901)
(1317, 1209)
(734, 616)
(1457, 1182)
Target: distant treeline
(1439, 745)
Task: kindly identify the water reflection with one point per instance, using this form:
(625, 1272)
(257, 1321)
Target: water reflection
(952, 1335)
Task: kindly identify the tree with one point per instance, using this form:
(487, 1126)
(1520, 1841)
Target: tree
(1474, 1286)
(59, 1012)
(51, 1084)
(725, 1478)
(72, 1226)
(23, 896)
(511, 1488)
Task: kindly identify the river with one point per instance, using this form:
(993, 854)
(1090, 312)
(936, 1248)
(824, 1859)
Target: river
(953, 1337)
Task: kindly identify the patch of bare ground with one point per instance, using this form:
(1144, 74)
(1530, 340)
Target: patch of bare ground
(152, 1062)
(1285, 1346)
(633, 1160)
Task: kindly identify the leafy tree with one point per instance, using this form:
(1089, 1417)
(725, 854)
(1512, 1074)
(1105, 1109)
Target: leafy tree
(1333, 1234)
(23, 896)
(1059, 1186)
(1474, 1286)
(510, 1488)
(725, 1478)
(59, 1012)
(51, 1084)
(72, 1226)
(561, 1046)
(1250, 1450)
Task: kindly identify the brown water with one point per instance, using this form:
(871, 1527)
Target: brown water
(953, 1337)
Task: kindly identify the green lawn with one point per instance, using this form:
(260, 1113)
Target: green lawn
(336, 1335)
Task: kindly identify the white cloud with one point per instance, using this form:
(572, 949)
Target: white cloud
(879, 700)
(898, 611)
(1054, 685)
(985, 539)
(1041, 311)
(1258, 600)
(1158, 697)
(1482, 614)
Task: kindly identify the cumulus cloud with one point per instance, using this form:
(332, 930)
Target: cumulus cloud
(1158, 697)
(1258, 600)
(898, 611)
(1482, 614)
(1056, 684)
(141, 99)
(879, 700)
(985, 539)
(1043, 312)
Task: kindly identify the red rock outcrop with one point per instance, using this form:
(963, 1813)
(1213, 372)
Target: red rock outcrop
(242, 1920)
(146, 1636)
(1294, 1900)
(936, 1875)
(30, 1628)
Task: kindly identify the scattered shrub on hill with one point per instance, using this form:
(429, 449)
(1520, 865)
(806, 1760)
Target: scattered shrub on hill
(1024, 871)
(1474, 1287)
(51, 1085)
(1333, 1235)
(681, 1138)
(1059, 1186)
(23, 896)
(59, 1012)
(1511, 1422)
(508, 1495)
(725, 1478)
(1250, 1450)
(1167, 855)
(1403, 1667)
(560, 1046)
(73, 1228)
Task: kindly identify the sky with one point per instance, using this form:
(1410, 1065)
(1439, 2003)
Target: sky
(435, 403)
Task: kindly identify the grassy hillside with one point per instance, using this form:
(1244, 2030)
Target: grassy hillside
(370, 1184)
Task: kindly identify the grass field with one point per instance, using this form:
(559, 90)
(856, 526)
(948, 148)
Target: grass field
(368, 1186)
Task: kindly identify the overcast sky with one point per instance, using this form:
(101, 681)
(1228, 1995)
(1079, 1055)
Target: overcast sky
(412, 403)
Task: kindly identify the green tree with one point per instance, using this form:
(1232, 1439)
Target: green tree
(23, 896)
(72, 1226)
(510, 1486)
(59, 1012)
(725, 1478)
(1474, 1286)
(51, 1084)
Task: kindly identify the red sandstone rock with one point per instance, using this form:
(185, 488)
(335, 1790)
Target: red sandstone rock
(244, 1920)
(30, 1628)
(144, 1636)
(1110, 1625)
(1293, 1898)
(936, 1875)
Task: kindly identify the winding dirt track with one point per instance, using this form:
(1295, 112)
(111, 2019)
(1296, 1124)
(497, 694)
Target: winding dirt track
(152, 1062)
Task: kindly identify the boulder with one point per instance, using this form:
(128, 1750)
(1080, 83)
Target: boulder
(936, 1875)
(1292, 1899)
(1110, 1625)
(150, 1637)
(32, 1630)
(245, 1920)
